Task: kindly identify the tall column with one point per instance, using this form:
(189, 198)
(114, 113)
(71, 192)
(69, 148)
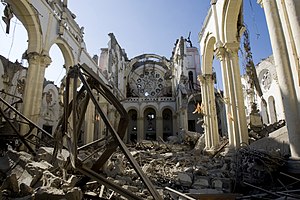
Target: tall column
(293, 12)
(221, 55)
(140, 129)
(232, 115)
(212, 112)
(159, 127)
(204, 103)
(34, 86)
(210, 115)
(285, 78)
(238, 92)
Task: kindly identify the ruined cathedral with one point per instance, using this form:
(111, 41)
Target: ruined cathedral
(74, 138)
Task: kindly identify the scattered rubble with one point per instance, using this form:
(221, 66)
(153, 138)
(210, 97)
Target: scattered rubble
(170, 167)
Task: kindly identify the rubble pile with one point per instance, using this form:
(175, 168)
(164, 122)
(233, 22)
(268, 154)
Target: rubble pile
(177, 167)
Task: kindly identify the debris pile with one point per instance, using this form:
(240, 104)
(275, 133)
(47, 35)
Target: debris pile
(174, 169)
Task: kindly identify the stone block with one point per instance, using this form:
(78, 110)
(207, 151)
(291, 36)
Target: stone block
(201, 182)
(25, 190)
(184, 179)
(74, 193)
(46, 193)
(11, 184)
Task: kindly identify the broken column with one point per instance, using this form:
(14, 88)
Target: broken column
(284, 73)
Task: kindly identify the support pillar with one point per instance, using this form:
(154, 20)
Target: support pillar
(210, 114)
(140, 129)
(233, 48)
(159, 127)
(284, 73)
(221, 55)
(34, 87)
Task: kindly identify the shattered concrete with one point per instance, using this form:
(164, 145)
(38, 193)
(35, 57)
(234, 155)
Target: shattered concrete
(168, 165)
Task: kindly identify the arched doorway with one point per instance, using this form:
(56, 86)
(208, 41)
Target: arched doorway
(132, 126)
(150, 124)
(55, 71)
(272, 109)
(264, 113)
(167, 124)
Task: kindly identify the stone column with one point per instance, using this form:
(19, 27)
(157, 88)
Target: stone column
(90, 123)
(212, 112)
(232, 115)
(293, 12)
(204, 103)
(284, 73)
(159, 127)
(140, 129)
(221, 55)
(34, 87)
(233, 48)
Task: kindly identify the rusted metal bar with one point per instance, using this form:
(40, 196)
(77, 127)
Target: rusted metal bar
(90, 173)
(261, 189)
(25, 118)
(179, 193)
(121, 127)
(17, 133)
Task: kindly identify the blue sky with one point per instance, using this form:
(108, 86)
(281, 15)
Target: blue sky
(140, 26)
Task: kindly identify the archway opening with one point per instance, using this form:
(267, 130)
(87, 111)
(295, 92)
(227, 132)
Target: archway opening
(56, 70)
(150, 124)
(167, 124)
(264, 113)
(272, 109)
(132, 126)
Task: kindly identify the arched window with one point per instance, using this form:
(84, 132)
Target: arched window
(272, 109)
(132, 126)
(167, 124)
(150, 124)
(264, 113)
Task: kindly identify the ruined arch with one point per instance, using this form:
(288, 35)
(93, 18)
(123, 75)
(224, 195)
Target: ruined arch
(208, 54)
(232, 11)
(66, 51)
(28, 16)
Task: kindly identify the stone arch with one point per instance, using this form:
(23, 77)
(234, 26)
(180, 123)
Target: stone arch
(208, 54)
(272, 109)
(28, 16)
(230, 20)
(66, 51)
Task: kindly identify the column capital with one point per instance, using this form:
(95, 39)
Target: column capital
(201, 78)
(220, 52)
(260, 2)
(213, 2)
(232, 46)
(36, 58)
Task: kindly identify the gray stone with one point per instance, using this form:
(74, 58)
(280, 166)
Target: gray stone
(25, 190)
(46, 193)
(74, 193)
(11, 184)
(201, 182)
(184, 179)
